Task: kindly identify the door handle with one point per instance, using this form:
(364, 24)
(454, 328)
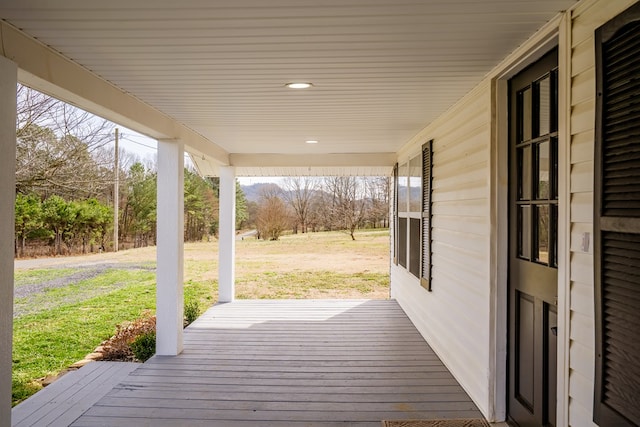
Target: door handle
(554, 331)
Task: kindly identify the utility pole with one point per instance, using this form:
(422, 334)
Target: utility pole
(116, 196)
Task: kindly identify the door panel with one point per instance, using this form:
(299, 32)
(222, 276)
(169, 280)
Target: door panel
(552, 357)
(533, 205)
(525, 350)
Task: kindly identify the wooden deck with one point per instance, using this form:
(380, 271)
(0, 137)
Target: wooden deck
(60, 403)
(289, 363)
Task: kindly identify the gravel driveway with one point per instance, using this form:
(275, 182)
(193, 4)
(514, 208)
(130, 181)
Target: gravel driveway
(86, 272)
(82, 268)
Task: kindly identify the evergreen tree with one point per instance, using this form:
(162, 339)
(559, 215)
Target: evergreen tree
(28, 214)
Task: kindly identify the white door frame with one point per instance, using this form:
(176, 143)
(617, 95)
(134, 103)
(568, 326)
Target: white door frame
(556, 33)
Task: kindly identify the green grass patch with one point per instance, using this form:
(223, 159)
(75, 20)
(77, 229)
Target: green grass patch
(204, 293)
(77, 319)
(30, 277)
(84, 290)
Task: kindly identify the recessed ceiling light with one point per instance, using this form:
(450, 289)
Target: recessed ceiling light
(311, 141)
(298, 85)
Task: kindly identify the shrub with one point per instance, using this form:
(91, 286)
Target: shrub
(118, 347)
(191, 312)
(144, 346)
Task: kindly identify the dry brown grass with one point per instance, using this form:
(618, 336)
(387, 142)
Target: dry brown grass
(312, 265)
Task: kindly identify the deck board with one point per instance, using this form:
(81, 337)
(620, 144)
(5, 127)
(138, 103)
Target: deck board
(63, 401)
(289, 363)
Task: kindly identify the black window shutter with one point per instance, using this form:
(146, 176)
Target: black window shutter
(427, 157)
(617, 221)
(395, 214)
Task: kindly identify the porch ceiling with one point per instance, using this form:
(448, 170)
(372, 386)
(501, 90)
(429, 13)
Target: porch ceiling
(381, 69)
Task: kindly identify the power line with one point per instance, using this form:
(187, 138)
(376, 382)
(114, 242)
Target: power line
(124, 137)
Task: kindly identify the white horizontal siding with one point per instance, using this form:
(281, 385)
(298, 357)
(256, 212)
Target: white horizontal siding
(475, 208)
(586, 18)
(584, 369)
(455, 316)
(582, 146)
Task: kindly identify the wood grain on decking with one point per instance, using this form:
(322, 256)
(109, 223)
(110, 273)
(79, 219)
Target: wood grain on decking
(60, 403)
(289, 363)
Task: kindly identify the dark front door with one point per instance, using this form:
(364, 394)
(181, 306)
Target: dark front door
(533, 278)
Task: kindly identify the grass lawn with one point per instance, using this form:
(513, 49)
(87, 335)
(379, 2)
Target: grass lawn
(27, 277)
(59, 326)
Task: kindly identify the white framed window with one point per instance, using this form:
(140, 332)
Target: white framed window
(413, 215)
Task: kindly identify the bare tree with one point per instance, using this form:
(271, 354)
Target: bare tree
(377, 192)
(298, 193)
(348, 204)
(60, 148)
(272, 218)
(319, 213)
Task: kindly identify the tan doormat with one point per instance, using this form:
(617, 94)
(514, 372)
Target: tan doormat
(467, 422)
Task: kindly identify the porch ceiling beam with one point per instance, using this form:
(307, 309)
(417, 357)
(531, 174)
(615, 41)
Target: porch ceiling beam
(313, 160)
(46, 70)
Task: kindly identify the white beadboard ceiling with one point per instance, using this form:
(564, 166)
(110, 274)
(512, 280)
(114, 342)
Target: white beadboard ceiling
(381, 69)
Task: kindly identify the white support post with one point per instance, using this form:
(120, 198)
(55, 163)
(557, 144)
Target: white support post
(227, 235)
(170, 252)
(8, 81)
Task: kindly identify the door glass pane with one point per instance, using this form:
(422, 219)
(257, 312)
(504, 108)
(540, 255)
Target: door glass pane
(524, 173)
(525, 115)
(544, 106)
(415, 184)
(542, 225)
(403, 173)
(524, 232)
(553, 169)
(543, 170)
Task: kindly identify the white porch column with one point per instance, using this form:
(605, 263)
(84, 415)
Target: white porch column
(227, 235)
(8, 81)
(170, 252)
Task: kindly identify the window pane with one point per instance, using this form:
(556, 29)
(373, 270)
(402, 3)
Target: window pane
(524, 173)
(524, 232)
(415, 184)
(544, 106)
(403, 172)
(543, 170)
(402, 242)
(542, 219)
(525, 118)
(414, 247)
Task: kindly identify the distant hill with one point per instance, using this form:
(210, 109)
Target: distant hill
(252, 192)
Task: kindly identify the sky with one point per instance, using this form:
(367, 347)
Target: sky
(146, 149)
(138, 144)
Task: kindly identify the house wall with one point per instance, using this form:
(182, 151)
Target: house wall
(588, 16)
(454, 317)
